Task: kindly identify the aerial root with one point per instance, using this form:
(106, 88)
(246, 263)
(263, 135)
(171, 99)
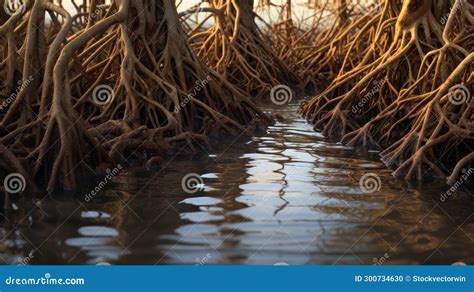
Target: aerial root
(402, 96)
(114, 88)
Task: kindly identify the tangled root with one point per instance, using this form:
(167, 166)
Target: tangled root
(236, 48)
(113, 86)
(410, 93)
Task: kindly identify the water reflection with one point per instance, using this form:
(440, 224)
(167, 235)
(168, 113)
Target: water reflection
(285, 196)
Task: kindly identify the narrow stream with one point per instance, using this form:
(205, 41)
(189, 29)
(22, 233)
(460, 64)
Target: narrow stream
(285, 196)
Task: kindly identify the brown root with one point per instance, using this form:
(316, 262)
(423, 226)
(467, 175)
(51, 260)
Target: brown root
(114, 86)
(401, 97)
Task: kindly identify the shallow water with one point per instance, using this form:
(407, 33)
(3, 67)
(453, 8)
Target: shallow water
(285, 196)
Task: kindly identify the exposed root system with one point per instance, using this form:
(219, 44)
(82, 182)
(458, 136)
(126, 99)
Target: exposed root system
(236, 48)
(410, 91)
(100, 86)
(122, 81)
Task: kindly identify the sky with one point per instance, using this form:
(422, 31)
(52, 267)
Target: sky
(186, 4)
(300, 10)
(190, 3)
